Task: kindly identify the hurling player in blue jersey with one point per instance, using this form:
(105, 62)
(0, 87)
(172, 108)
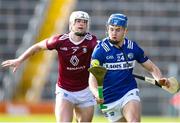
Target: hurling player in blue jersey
(118, 55)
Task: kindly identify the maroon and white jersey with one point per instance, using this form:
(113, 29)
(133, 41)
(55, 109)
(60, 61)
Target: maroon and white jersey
(74, 60)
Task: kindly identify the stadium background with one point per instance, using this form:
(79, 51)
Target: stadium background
(154, 24)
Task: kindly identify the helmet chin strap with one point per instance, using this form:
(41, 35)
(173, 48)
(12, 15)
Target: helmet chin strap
(80, 34)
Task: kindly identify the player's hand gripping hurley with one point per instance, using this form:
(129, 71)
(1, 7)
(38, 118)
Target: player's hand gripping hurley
(99, 73)
(174, 84)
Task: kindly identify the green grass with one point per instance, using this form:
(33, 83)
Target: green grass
(161, 119)
(51, 118)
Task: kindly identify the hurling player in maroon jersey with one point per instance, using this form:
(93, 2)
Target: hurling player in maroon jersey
(74, 53)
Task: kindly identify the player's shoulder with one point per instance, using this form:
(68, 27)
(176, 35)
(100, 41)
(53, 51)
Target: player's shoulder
(104, 44)
(90, 36)
(58, 37)
(130, 44)
(64, 36)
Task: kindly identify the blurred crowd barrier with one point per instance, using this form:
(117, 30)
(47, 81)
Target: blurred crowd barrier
(23, 108)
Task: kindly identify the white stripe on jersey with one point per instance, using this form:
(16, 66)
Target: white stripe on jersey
(89, 36)
(130, 44)
(119, 65)
(105, 47)
(63, 37)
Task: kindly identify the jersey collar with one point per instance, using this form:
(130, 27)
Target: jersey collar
(113, 45)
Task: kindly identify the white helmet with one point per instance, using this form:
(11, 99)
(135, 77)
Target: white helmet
(78, 15)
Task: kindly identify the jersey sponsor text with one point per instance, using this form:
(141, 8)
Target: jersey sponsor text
(119, 65)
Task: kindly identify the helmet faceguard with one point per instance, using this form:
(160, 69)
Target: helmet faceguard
(118, 20)
(78, 15)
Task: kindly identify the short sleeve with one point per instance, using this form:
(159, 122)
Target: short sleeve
(52, 42)
(140, 55)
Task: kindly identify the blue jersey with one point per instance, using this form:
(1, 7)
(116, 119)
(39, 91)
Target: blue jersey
(119, 63)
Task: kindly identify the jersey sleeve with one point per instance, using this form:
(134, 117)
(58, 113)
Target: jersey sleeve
(140, 55)
(98, 54)
(52, 42)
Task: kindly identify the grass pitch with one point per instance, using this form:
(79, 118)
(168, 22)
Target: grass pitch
(51, 118)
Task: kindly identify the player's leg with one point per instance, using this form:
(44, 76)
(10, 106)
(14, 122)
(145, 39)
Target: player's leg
(84, 114)
(65, 103)
(122, 119)
(131, 106)
(63, 110)
(125, 109)
(84, 109)
(132, 111)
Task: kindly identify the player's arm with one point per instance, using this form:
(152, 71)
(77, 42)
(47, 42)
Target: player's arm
(93, 85)
(33, 50)
(29, 52)
(156, 73)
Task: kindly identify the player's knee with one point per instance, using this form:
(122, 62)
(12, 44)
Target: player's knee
(80, 119)
(133, 119)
